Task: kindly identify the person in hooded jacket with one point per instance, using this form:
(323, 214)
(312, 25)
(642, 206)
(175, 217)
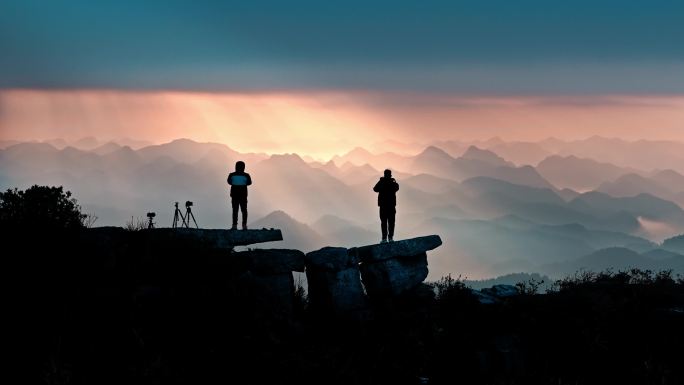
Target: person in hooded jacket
(387, 188)
(238, 181)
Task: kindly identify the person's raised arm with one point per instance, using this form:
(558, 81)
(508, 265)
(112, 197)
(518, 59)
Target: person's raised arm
(229, 179)
(377, 186)
(396, 186)
(249, 179)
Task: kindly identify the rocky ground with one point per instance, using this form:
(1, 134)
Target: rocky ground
(114, 306)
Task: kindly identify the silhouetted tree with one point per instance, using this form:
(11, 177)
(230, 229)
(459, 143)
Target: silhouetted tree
(40, 207)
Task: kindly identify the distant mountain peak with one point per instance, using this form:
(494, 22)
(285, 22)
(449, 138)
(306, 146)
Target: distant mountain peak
(614, 251)
(668, 173)
(356, 152)
(32, 146)
(473, 149)
(277, 218)
(367, 167)
(278, 214)
(72, 150)
(475, 153)
(433, 151)
(363, 167)
(127, 149)
(106, 148)
(288, 159)
(182, 140)
(359, 150)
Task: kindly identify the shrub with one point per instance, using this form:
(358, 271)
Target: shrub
(529, 287)
(447, 286)
(40, 207)
(585, 278)
(136, 224)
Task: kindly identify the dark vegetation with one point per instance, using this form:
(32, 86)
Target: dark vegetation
(182, 313)
(542, 282)
(40, 207)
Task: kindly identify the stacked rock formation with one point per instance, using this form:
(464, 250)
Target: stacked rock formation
(390, 269)
(335, 274)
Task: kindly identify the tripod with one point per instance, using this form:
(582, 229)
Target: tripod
(188, 215)
(177, 214)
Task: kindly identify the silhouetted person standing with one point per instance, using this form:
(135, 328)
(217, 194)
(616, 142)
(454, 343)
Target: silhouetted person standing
(238, 181)
(387, 189)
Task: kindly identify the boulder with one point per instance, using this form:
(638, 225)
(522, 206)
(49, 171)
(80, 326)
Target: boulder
(334, 283)
(389, 269)
(501, 291)
(390, 277)
(402, 248)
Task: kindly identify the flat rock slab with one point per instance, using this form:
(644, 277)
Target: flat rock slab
(220, 238)
(272, 261)
(402, 248)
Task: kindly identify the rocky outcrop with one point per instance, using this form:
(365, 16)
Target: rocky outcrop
(393, 268)
(340, 280)
(116, 237)
(335, 274)
(333, 277)
(494, 294)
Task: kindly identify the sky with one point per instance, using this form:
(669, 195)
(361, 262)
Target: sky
(312, 75)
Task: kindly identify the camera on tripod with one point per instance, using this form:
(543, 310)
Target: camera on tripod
(183, 220)
(150, 224)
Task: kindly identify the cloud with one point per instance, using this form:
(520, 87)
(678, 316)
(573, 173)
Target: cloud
(471, 47)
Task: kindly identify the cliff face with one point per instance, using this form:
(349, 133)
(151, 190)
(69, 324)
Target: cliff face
(109, 306)
(340, 280)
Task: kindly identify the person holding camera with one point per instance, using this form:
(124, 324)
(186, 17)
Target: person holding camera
(238, 181)
(387, 189)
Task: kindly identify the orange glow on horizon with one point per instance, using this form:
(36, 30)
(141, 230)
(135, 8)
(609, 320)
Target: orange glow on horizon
(321, 124)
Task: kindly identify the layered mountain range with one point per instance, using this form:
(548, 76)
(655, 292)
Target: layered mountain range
(550, 207)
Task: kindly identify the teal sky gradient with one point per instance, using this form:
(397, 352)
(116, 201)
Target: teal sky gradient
(465, 47)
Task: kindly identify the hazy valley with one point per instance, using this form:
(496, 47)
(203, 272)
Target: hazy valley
(550, 207)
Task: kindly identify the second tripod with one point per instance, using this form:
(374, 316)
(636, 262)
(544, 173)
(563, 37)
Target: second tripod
(184, 219)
